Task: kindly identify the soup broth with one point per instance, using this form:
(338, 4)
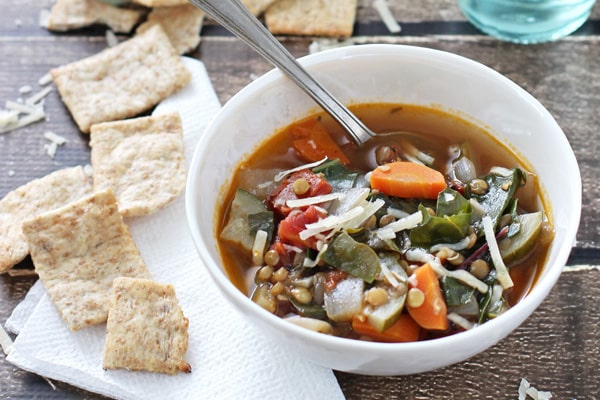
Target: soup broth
(430, 134)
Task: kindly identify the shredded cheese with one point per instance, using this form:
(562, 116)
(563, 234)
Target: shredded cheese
(111, 38)
(53, 137)
(295, 203)
(402, 224)
(386, 16)
(283, 174)
(501, 271)
(461, 321)
(465, 277)
(44, 80)
(34, 99)
(5, 341)
(258, 249)
(331, 222)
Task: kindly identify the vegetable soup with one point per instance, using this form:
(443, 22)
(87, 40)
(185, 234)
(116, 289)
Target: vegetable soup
(420, 234)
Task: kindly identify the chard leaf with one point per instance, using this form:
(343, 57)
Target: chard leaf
(435, 229)
(501, 190)
(339, 177)
(456, 293)
(309, 310)
(358, 259)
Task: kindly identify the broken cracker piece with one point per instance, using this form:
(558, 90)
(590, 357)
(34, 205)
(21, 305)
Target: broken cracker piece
(72, 14)
(146, 328)
(78, 250)
(312, 17)
(38, 196)
(142, 160)
(121, 81)
(182, 25)
(257, 7)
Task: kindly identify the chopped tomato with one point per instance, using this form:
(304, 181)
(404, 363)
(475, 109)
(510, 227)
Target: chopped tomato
(313, 142)
(290, 227)
(317, 185)
(332, 278)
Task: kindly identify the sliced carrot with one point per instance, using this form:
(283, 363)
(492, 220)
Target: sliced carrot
(432, 314)
(403, 330)
(408, 180)
(313, 143)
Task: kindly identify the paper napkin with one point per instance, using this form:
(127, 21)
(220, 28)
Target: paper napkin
(229, 358)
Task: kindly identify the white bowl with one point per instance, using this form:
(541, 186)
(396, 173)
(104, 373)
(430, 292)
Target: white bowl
(386, 73)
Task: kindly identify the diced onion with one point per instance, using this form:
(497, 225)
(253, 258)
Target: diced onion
(501, 271)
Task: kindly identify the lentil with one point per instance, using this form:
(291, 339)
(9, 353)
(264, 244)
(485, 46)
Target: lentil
(376, 296)
(479, 268)
(301, 186)
(415, 298)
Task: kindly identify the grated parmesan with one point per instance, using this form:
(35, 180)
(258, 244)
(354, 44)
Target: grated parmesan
(386, 16)
(34, 99)
(25, 89)
(307, 201)
(461, 321)
(53, 137)
(285, 173)
(5, 341)
(502, 272)
(111, 38)
(525, 389)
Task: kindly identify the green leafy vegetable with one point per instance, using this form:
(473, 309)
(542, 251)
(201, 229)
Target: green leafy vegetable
(339, 177)
(348, 255)
(501, 190)
(449, 225)
(456, 293)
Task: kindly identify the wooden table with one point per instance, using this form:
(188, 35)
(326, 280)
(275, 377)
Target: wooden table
(557, 349)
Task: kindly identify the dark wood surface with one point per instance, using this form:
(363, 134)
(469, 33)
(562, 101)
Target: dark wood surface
(557, 349)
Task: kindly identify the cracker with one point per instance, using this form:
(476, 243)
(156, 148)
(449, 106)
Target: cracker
(36, 197)
(121, 81)
(182, 25)
(257, 7)
(334, 18)
(161, 3)
(72, 14)
(146, 328)
(78, 250)
(142, 160)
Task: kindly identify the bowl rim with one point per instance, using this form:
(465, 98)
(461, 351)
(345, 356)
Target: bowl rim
(514, 316)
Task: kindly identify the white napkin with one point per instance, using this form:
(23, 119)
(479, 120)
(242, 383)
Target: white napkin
(229, 358)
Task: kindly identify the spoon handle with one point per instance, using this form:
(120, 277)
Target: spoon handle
(234, 16)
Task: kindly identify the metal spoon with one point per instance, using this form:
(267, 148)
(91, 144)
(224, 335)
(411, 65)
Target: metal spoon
(234, 16)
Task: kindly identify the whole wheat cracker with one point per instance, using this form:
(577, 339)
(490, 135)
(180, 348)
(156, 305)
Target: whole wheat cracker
(35, 197)
(121, 81)
(182, 25)
(257, 7)
(142, 160)
(78, 250)
(334, 18)
(72, 14)
(146, 328)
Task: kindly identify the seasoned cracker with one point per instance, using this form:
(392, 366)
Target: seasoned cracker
(182, 25)
(334, 18)
(161, 3)
(146, 328)
(78, 250)
(38, 196)
(142, 160)
(72, 14)
(257, 7)
(121, 81)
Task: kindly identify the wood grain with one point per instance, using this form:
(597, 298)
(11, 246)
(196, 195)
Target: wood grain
(556, 349)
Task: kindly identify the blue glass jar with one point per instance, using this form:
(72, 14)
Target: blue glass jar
(527, 21)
